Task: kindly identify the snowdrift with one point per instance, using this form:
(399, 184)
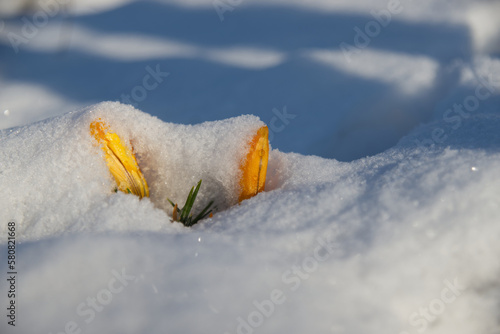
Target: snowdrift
(63, 171)
(402, 242)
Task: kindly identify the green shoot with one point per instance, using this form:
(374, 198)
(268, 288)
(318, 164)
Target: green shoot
(183, 215)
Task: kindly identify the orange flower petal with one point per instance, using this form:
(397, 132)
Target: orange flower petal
(254, 166)
(120, 160)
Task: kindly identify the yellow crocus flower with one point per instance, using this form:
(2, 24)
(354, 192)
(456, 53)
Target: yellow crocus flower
(120, 160)
(254, 167)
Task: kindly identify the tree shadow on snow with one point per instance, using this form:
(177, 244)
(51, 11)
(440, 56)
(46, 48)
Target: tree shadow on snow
(335, 114)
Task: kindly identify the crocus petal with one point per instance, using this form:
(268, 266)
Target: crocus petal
(120, 160)
(254, 167)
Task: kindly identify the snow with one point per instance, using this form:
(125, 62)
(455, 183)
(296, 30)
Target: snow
(58, 156)
(381, 207)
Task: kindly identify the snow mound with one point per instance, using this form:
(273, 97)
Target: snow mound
(402, 242)
(56, 180)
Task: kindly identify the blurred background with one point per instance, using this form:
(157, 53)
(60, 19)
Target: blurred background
(340, 79)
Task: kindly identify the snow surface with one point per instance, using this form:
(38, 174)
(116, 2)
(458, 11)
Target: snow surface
(59, 156)
(390, 227)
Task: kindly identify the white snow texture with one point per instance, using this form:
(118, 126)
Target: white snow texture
(392, 226)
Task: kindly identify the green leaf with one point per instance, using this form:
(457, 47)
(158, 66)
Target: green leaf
(186, 217)
(204, 213)
(187, 206)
